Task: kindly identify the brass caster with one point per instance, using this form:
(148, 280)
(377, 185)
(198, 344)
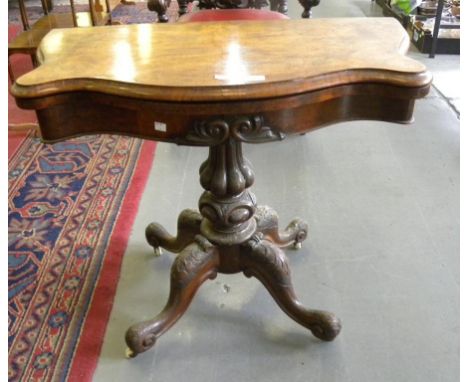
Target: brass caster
(129, 353)
(158, 251)
(297, 245)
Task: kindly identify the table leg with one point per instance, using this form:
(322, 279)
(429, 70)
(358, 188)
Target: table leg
(307, 5)
(229, 235)
(188, 226)
(280, 6)
(160, 7)
(267, 223)
(193, 266)
(268, 263)
(183, 6)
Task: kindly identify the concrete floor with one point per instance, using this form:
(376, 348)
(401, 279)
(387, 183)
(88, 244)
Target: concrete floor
(382, 202)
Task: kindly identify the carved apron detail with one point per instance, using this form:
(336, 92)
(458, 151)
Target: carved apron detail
(244, 129)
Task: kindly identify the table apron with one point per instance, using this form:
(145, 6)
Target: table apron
(81, 113)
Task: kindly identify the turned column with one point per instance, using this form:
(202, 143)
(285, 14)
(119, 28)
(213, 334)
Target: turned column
(227, 205)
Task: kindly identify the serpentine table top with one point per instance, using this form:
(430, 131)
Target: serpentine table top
(155, 80)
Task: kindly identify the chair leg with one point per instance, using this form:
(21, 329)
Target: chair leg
(34, 60)
(160, 7)
(11, 74)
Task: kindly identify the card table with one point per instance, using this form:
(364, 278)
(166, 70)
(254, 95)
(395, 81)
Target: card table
(220, 85)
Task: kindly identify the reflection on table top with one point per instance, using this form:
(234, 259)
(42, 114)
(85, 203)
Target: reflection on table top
(223, 60)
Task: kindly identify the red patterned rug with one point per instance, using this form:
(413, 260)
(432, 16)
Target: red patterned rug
(71, 208)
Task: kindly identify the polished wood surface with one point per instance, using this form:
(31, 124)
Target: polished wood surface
(223, 61)
(123, 79)
(28, 41)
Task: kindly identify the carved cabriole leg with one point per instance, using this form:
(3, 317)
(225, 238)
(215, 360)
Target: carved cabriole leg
(280, 6)
(307, 5)
(283, 7)
(197, 263)
(268, 264)
(160, 7)
(267, 223)
(183, 6)
(188, 226)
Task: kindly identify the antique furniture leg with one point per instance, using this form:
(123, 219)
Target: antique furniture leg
(283, 6)
(160, 7)
(307, 5)
(11, 74)
(188, 226)
(267, 223)
(229, 235)
(183, 6)
(268, 263)
(194, 265)
(280, 6)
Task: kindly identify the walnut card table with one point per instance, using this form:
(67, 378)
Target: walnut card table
(222, 84)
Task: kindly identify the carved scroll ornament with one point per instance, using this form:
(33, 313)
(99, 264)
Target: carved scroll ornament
(244, 129)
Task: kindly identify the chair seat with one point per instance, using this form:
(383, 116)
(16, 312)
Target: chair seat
(231, 14)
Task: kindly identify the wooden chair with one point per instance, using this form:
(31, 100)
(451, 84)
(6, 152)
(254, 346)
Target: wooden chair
(28, 41)
(281, 6)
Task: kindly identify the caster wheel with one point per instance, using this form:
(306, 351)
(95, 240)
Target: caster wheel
(297, 245)
(129, 353)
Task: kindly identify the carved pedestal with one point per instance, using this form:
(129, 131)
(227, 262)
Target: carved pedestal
(229, 234)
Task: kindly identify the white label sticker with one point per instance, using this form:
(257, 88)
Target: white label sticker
(239, 79)
(160, 126)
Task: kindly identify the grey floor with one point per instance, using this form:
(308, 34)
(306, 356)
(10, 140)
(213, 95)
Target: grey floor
(382, 202)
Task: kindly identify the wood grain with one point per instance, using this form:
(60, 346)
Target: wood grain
(223, 60)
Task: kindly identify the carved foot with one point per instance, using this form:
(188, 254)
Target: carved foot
(160, 7)
(267, 262)
(267, 223)
(193, 266)
(188, 226)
